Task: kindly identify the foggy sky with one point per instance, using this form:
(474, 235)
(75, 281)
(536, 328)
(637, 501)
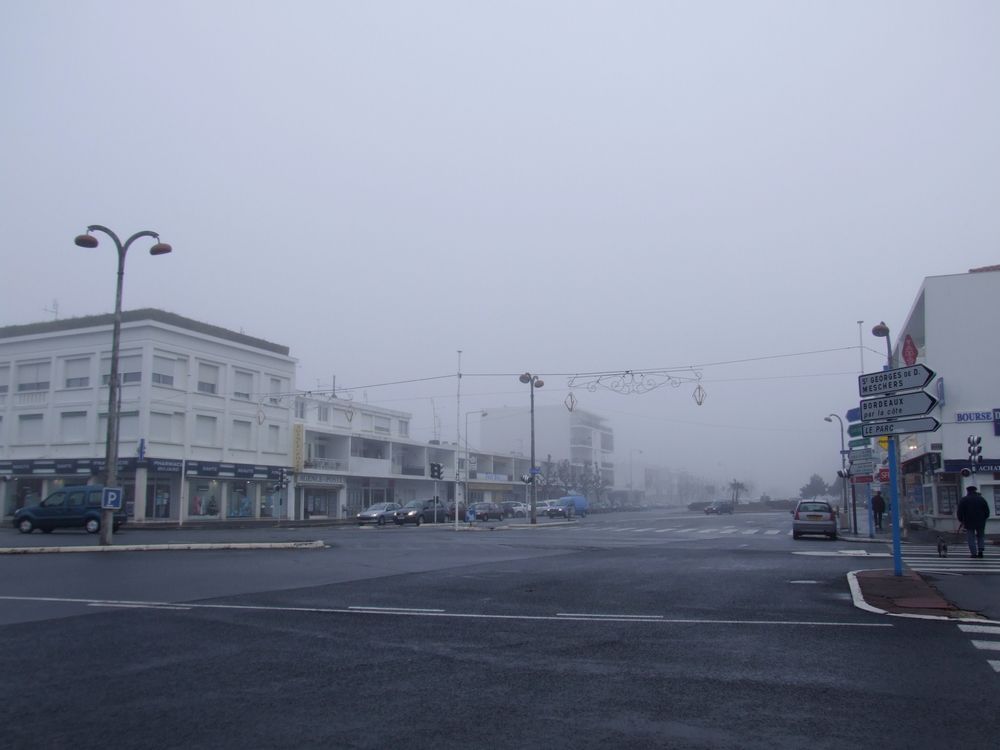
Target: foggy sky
(558, 187)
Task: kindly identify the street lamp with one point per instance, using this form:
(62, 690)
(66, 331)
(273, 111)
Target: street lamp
(534, 382)
(843, 465)
(88, 240)
(482, 413)
(882, 331)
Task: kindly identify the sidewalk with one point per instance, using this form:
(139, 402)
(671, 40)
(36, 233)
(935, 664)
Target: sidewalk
(922, 595)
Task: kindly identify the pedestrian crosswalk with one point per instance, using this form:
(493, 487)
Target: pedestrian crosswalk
(924, 558)
(697, 531)
(985, 638)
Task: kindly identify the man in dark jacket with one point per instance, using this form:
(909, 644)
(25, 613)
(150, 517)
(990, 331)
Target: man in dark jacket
(973, 510)
(878, 508)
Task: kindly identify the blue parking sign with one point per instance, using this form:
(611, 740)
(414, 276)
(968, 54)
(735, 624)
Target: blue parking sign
(111, 498)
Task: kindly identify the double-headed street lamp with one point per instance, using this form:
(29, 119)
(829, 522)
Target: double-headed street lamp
(882, 331)
(88, 240)
(535, 382)
(843, 465)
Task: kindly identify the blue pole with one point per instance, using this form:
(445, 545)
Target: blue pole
(897, 557)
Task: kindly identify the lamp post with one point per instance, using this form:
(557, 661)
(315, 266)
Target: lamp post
(882, 331)
(482, 413)
(88, 240)
(534, 382)
(843, 464)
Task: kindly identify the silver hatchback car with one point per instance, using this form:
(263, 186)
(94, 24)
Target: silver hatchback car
(814, 517)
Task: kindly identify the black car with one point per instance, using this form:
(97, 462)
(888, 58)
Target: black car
(70, 507)
(717, 509)
(420, 511)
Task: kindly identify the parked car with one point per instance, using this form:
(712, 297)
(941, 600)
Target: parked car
(513, 509)
(718, 509)
(449, 514)
(564, 508)
(378, 514)
(70, 507)
(485, 511)
(814, 517)
(420, 511)
(542, 507)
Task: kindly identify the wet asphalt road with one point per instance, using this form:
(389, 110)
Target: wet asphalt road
(618, 631)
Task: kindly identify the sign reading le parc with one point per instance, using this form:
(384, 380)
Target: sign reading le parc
(898, 379)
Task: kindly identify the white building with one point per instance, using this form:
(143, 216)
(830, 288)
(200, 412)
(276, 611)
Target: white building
(950, 330)
(210, 425)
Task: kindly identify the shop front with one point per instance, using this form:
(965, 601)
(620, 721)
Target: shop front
(320, 495)
(217, 491)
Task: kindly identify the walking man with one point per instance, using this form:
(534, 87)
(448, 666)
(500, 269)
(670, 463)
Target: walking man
(973, 510)
(878, 508)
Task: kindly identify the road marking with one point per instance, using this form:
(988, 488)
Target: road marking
(994, 663)
(773, 531)
(750, 531)
(987, 645)
(395, 609)
(457, 615)
(685, 531)
(707, 531)
(663, 531)
(988, 629)
(123, 605)
(803, 581)
(589, 615)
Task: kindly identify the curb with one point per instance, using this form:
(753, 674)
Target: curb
(162, 547)
(858, 597)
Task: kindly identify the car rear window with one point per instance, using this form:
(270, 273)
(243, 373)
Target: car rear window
(814, 507)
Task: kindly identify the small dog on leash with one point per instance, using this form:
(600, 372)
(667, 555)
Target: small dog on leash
(942, 546)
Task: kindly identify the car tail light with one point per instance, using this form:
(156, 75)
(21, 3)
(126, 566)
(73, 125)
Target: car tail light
(796, 515)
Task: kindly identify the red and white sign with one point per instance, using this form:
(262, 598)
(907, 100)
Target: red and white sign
(862, 479)
(909, 351)
(883, 475)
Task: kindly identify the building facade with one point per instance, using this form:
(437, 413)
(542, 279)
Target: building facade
(949, 329)
(211, 428)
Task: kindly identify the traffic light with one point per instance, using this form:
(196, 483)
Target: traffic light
(975, 452)
(282, 479)
(436, 471)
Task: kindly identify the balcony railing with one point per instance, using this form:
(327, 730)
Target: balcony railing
(326, 464)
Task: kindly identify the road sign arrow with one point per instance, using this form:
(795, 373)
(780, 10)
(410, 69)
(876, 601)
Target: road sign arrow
(897, 405)
(900, 427)
(890, 381)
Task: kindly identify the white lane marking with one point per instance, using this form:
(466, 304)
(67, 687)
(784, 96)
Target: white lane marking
(750, 531)
(706, 531)
(773, 531)
(588, 615)
(728, 531)
(995, 663)
(988, 629)
(458, 615)
(803, 581)
(685, 531)
(395, 609)
(626, 529)
(123, 605)
(664, 531)
(987, 645)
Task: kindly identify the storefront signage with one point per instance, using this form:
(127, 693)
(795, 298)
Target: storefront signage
(989, 465)
(237, 471)
(164, 465)
(975, 416)
(63, 467)
(326, 479)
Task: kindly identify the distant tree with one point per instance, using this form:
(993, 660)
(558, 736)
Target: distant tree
(593, 484)
(815, 488)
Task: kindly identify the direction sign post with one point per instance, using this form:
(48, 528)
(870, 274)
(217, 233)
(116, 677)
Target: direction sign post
(901, 427)
(898, 379)
(896, 406)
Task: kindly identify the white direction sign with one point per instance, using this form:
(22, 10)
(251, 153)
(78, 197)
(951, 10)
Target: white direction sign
(899, 427)
(896, 406)
(862, 467)
(862, 454)
(890, 381)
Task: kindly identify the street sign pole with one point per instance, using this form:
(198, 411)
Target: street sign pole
(897, 557)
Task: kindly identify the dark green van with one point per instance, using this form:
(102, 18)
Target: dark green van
(69, 508)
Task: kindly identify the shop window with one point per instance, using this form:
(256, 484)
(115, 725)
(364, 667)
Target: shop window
(158, 499)
(203, 498)
(947, 499)
(240, 504)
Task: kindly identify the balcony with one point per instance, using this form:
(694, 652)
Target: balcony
(325, 464)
